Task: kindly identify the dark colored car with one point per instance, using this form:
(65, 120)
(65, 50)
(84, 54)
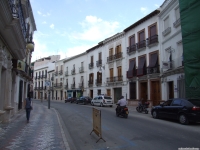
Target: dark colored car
(84, 100)
(183, 110)
(70, 99)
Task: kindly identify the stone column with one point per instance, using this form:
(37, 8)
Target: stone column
(8, 107)
(1, 100)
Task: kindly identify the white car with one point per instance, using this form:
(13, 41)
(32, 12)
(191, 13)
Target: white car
(102, 101)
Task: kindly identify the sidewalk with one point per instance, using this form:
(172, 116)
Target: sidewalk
(43, 132)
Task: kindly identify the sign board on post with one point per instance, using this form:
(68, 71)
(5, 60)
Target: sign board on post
(97, 123)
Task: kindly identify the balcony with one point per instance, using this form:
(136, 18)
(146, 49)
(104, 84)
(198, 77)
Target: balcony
(91, 65)
(115, 79)
(22, 68)
(132, 73)
(114, 57)
(141, 45)
(152, 41)
(73, 86)
(58, 85)
(44, 76)
(153, 70)
(90, 83)
(66, 86)
(56, 73)
(73, 71)
(66, 73)
(99, 63)
(81, 85)
(131, 49)
(167, 31)
(98, 82)
(177, 23)
(13, 27)
(81, 70)
(60, 72)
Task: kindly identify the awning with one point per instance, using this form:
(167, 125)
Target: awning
(131, 68)
(153, 60)
(140, 70)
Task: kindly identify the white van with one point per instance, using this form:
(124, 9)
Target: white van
(102, 100)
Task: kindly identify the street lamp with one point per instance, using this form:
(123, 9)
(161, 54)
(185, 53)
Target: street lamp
(30, 44)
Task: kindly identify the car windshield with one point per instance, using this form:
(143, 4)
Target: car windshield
(106, 97)
(195, 102)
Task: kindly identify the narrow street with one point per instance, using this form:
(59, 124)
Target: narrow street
(139, 131)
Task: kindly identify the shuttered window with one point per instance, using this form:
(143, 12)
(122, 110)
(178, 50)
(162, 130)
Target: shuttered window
(140, 70)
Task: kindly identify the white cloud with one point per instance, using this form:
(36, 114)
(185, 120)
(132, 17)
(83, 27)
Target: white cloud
(76, 50)
(52, 26)
(39, 12)
(144, 10)
(44, 22)
(156, 5)
(95, 29)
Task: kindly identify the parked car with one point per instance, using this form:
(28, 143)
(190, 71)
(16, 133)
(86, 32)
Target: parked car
(102, 100)
(183, 110)
(70, 99)
(84, 100)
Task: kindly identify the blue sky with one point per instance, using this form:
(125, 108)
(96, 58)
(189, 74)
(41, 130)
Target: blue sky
(70, 27)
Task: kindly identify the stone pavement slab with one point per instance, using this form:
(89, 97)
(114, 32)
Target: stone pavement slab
(43, 132)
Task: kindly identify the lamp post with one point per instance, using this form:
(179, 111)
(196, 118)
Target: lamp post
(48, 83)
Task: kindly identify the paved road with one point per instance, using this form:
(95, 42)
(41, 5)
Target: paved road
(139, 131)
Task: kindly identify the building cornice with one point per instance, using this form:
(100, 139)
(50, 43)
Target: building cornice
(114, 37)
(74, 57)
(168, 8)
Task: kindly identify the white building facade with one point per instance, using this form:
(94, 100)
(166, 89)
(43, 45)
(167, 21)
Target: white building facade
(173, 85)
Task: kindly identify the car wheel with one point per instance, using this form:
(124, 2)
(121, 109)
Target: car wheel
(110, 105)
(101, 104)
(155, 114)
(183, 119)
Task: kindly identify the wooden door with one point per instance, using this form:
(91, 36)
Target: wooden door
(155, 92)
(171, 90)
(108, 92)
(143, 91)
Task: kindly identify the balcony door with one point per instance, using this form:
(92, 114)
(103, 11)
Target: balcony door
(111, 75)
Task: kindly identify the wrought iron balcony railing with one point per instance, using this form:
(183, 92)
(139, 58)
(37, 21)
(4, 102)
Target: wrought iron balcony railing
(81, 70)
(131, 49)
(152, 40)
(98, 82)
(114, 57)
(90, 83)
(115, 79)
(152, 70)
(141, 44)
(66, 86)
(166, 31)
(56, 73)
(73, 86)
(17, 12)
(99, 63)
(81, 85)
(73, 72)
(58, 85)
(177, 23)
(60, 72)
(91, 65)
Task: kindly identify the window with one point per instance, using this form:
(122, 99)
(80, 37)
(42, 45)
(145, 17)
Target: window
(111, 52)
(100, 56)
(61, 67)
(81, 64)
(153, 61)
(141, 36)
(118, 49)
(177, 13)
(119, 72)
(132, 40)
(176, 102)
(131, 68)
(56, 68)
(166, 23)
(111, 74)
(141, 65)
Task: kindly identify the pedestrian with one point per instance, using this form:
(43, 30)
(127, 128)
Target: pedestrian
(28, 105)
